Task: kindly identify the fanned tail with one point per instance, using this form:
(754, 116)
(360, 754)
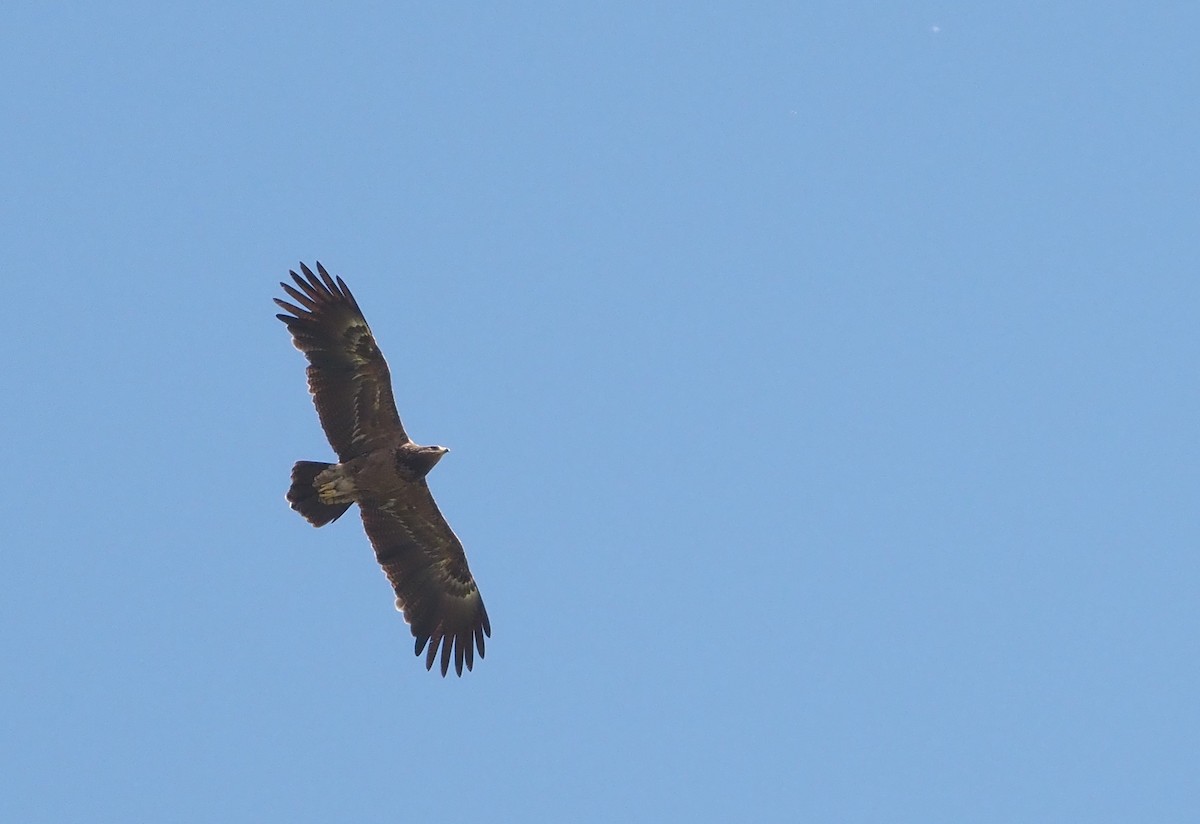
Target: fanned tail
(303, 494)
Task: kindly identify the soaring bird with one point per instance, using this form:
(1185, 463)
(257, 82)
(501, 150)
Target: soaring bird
(380, 469)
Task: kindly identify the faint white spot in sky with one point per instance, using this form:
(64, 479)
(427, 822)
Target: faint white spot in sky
(935, 28)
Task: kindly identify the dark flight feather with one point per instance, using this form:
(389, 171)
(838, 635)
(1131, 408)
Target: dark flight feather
(347, 375)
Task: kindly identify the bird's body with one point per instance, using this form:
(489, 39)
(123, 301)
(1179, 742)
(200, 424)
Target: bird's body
(380, 469)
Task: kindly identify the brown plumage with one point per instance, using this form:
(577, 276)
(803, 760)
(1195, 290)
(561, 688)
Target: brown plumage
(381, 470)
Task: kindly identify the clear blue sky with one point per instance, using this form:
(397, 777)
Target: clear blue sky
(821, 381)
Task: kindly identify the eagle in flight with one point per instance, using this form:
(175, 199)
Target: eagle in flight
(380, 469)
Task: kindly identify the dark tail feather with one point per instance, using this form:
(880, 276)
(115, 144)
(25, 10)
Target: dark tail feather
(303, 494)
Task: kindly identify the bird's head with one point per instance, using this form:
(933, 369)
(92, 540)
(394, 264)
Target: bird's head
(418, 460)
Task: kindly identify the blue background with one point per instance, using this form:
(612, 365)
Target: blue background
(820, 379)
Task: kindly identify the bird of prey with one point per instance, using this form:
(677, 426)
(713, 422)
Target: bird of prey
(380, 469)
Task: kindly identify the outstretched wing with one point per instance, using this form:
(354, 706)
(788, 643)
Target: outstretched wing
(427, 567)
(347, 375)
